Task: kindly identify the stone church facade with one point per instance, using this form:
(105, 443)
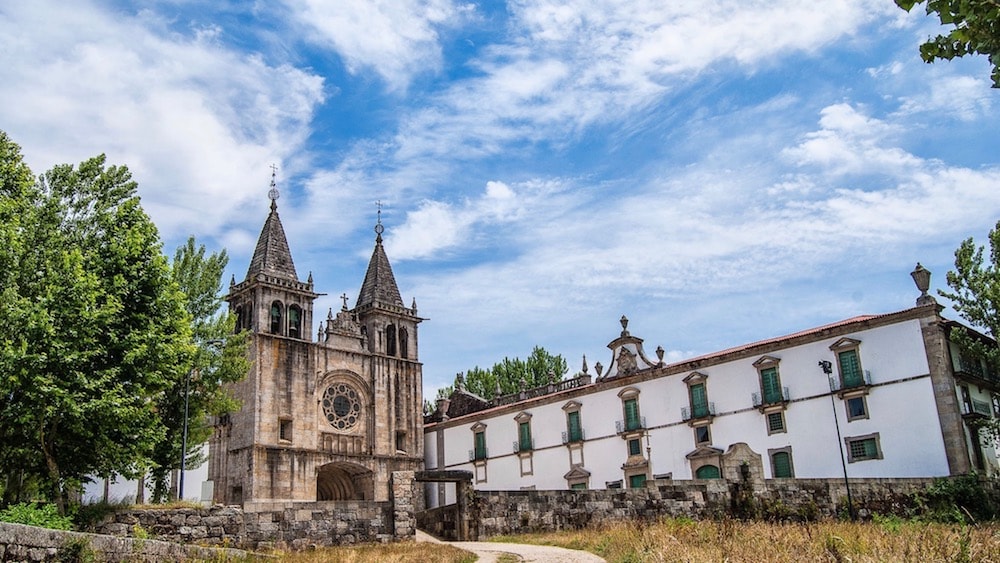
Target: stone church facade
(323, 419)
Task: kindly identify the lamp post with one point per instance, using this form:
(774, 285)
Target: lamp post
(184, 432)
(827, 368)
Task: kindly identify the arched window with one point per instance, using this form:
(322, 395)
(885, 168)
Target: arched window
(294, 321)
(276, 317)
(404, 347)
(238, 313)
(707, 472)
(390, 340)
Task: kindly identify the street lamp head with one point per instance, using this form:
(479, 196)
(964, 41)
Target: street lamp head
(826, 366)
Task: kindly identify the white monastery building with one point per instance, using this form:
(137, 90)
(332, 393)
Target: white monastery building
(871, 396)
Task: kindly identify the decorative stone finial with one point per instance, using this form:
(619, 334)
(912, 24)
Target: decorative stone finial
(459, 381)
(922, 278)
(624, 322)
(499, 390)
(232, 280)
(379, 229)
(599, 368)
(659, 353)
(583, 370)
(329, 314)
(524, 383)
(310, 280)
(413, 307)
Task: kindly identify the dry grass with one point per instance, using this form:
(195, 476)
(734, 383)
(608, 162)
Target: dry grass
(403, 552)
(728, 540)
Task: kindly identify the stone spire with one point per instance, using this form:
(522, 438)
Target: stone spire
(272, 256)
(379, 285)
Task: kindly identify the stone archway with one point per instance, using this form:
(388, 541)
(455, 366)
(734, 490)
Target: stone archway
(344, 481)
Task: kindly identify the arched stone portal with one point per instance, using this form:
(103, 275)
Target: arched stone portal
(344, 481)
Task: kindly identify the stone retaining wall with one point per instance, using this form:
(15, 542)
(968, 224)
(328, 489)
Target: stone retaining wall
(295, 525)
(31, 544)
(495, 513)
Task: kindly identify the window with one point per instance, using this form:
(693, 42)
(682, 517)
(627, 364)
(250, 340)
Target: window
(707, 472)
(632, 414)
(390, 340)
(613, 484)
(856, 408)
(966, 400)
(632, 421)
(634, 447)
(524, 436)
(276, 317)
(862, 448)
(781, 463)
(770, 381)
(400, 441)
(775, 422)
(699, 401)
(478, 452)
(285, 429)
(637, 481)
(578, 486)
(294, 321)
(996, 405)
(480, 445)
(238, 313)
(574, 431)
(702, 435)
(849, 363)
(404, 343)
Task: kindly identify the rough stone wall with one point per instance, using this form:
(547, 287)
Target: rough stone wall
(505, 512)
(28, 543)
(262, 526)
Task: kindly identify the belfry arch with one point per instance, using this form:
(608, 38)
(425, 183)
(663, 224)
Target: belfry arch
(344, 481)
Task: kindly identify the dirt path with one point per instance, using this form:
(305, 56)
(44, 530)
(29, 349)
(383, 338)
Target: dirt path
(489, 552)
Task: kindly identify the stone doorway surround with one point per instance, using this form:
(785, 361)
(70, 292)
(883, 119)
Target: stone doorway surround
(463, 490)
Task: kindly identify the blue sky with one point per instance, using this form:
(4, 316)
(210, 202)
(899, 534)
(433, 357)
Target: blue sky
(720, 172)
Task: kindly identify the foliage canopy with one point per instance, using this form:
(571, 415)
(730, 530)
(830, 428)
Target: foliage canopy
(976, 30)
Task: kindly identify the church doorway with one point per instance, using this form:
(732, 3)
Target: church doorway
(344, 481)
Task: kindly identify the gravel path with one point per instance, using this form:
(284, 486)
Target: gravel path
(489, 552)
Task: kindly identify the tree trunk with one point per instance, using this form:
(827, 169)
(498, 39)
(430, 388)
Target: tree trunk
(53, 468)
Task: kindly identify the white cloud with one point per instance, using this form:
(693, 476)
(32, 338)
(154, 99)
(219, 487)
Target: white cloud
(396, 38)
(196, 123)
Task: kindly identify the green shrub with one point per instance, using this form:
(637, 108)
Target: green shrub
(41, 515)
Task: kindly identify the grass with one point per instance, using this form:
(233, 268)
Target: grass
(730, 540)
(402, 552)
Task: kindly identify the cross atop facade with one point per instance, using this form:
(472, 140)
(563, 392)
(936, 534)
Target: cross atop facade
(344, 299)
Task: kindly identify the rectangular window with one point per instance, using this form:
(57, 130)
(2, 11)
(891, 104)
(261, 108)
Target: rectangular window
(782, 464)
(966, 400)
(770, 386)
(480, 442)
(573, 428)
(637, 481)
(850, 368)
(634, 447)
(775, 422)
(524, 436)
(632, 415)
(856, 408)
(699, 401)
(863, 448)
(285, 430)
(702, 435)
(578, 486)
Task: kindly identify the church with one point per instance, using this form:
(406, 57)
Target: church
(323, 419)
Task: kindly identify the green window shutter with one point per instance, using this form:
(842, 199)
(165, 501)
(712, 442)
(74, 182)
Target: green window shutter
(699, 400)
(524, 433)
(871, 451)
(637, 481)
(573, 423)
(850, 368)
(631, 414)
(707, 472)
(770, 385)
(480, 445)
(782, 464)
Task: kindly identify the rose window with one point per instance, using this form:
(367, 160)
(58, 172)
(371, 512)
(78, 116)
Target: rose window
(342, 406)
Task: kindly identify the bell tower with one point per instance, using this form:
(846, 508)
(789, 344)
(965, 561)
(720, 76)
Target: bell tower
(389, 332)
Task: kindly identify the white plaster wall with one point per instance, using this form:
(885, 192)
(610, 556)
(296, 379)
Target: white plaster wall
(902, 411)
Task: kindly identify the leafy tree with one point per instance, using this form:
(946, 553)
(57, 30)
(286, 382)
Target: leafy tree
(539, 369)
(92, 328)
(975, 295)
(221, 358)
(976, 30)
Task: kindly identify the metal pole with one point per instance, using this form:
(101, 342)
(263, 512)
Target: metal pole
(184, 439)
(828, 370)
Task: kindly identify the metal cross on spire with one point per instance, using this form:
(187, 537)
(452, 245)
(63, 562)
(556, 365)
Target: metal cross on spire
(344, 299)
(379, 229)
(273, 192)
